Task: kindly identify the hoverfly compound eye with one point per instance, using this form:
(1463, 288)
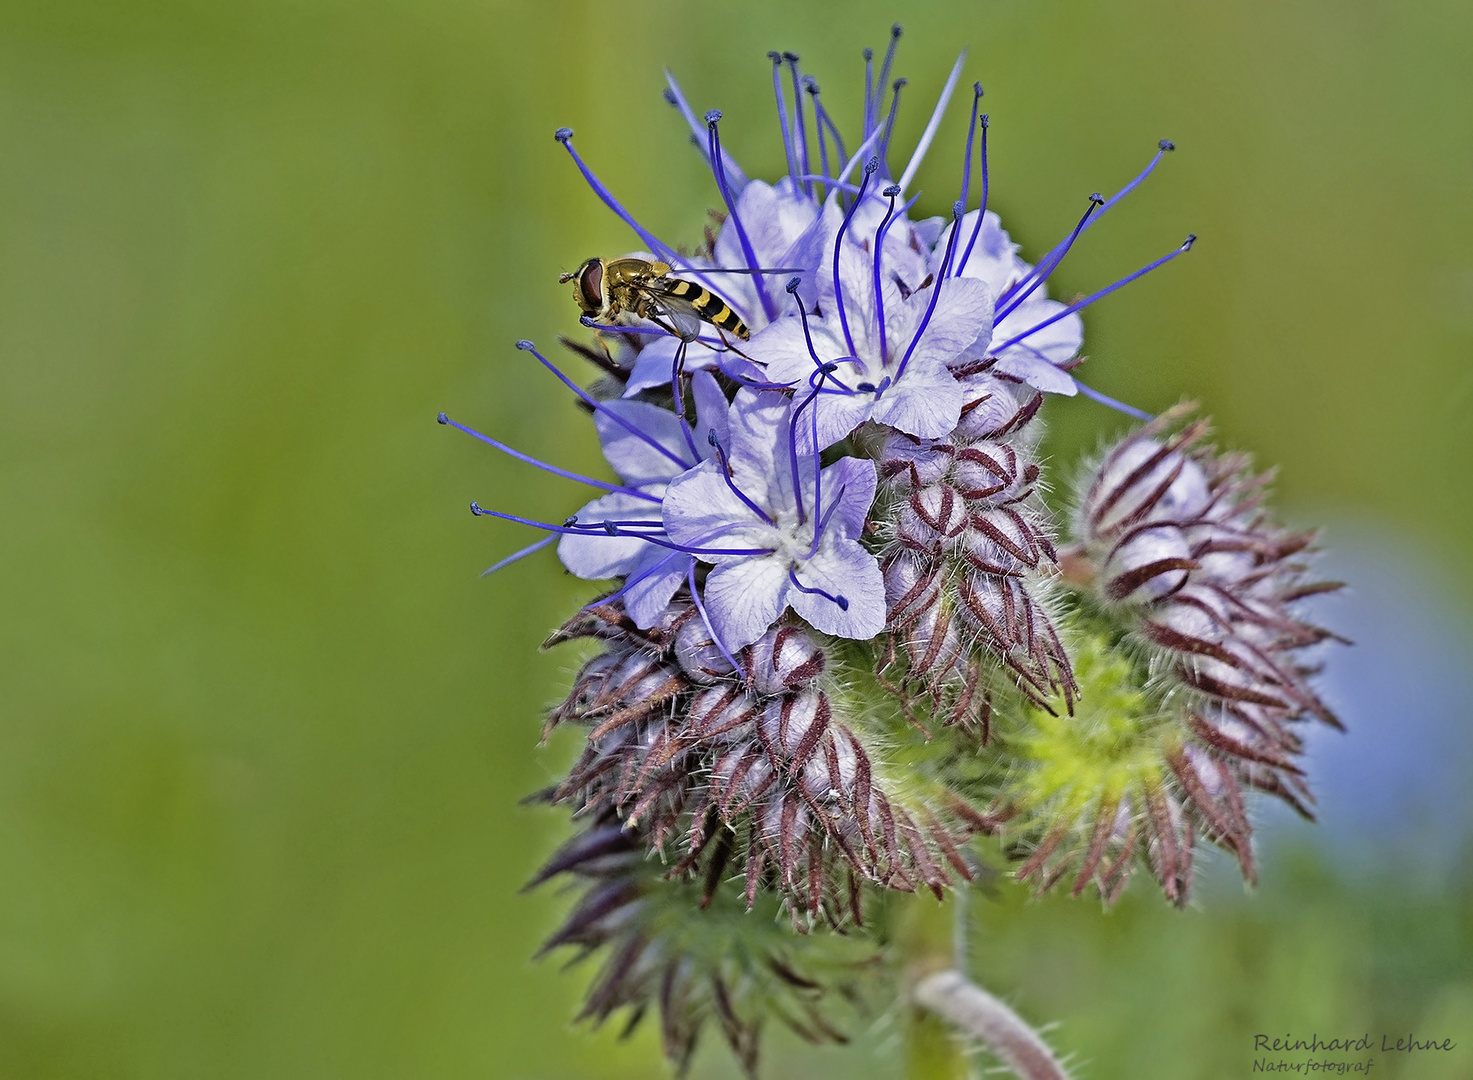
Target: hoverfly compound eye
(590, 286)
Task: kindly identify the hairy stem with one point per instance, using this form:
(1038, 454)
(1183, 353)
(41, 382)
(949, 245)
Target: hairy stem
(952, 996)
(927, 940)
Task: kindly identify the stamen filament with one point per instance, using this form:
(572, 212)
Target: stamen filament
(695, 595)
(634, 579)
(1016, 293)
(768, 307)
(982, 209)
(782, 114)
(842, 601)
(1106, 291)
(530, 549)
(712, 438)
(890, 124)
(592, 402)
(870, 168)
(677, 369)
(654, 243)
(895, 32)
(544, 466)
(1118, 406)
(956, 218)
(611, 529)
(869, 92)
(891, 191)
(802, 124)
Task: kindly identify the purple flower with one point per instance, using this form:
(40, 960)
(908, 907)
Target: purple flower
(761, 494)
(648, 447)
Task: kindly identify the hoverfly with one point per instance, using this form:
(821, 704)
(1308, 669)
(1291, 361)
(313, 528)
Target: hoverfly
(605, 287)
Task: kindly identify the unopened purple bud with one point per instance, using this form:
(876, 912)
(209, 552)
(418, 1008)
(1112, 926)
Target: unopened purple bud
(783, 659)
(698, 655)
(1143, 481)
(1148, 564)
(908, 462)
(988, 411)
(793, 724)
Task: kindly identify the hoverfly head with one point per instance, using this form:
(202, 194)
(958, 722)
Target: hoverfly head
(588, 287)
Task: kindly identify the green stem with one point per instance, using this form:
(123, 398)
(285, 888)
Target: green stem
(926, 936)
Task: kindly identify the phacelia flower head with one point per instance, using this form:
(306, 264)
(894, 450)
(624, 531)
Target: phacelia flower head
(847, 648)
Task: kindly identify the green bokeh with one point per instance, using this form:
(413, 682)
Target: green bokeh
(263, 732)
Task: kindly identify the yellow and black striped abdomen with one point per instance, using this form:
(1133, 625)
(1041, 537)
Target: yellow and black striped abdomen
(708, 306)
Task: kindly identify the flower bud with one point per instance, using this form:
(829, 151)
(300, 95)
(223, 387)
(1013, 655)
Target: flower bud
(783, 659)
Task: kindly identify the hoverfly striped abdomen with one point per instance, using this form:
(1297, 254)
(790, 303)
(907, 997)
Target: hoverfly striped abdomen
(708, 305)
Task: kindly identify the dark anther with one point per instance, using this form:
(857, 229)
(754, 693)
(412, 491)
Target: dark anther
(984, 121)
(843, 602)
(711, 437)
(958, 208)
(713, 116)
(891, 191)
(793, 283)
(443, 418)
(829, 368)
(670, 97)
(872, 165)
(868, 54)
(476, 509)
(865, 387)
(810, 84)
(570, 521)
(896, 31)
(562, 135)
(1166, 144)
(898, 83)
(775, 56)
(587, 320)
(977, 89)
(611, 528)
(790, 57)
(1097, 199)
(1190, 240)
(525, 345)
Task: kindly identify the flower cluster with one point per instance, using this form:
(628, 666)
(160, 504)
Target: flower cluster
(845, 637)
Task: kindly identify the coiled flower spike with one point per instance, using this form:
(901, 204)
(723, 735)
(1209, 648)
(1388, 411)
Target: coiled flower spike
(852, 656)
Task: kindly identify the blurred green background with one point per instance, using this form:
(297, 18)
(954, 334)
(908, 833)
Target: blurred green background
(262, 730)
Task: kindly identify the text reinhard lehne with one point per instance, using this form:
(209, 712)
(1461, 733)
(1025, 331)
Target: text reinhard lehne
(1409, 1044)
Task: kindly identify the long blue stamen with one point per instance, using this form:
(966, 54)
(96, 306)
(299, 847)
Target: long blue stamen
(869, 93)
(870, 168)
(673, 94)
(1165, 146)
(530, 549)
(919, 154)
(823, 522)
(782, 114)
(811, 86)
(677, 369)
(895, 32)
(635, 579)
(716, 344)
(1017, 293)
(891, 191)
(715, 441)
(1106, 291)
(802, 123)
(654, 243)
(612, 529)
(695, 595)
(842, 601)
(544, 466)
(768, 307)
(1118, 406)
(594, 403)
(890, 124)
(971, 133)
(956, 218)
(982, 209)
